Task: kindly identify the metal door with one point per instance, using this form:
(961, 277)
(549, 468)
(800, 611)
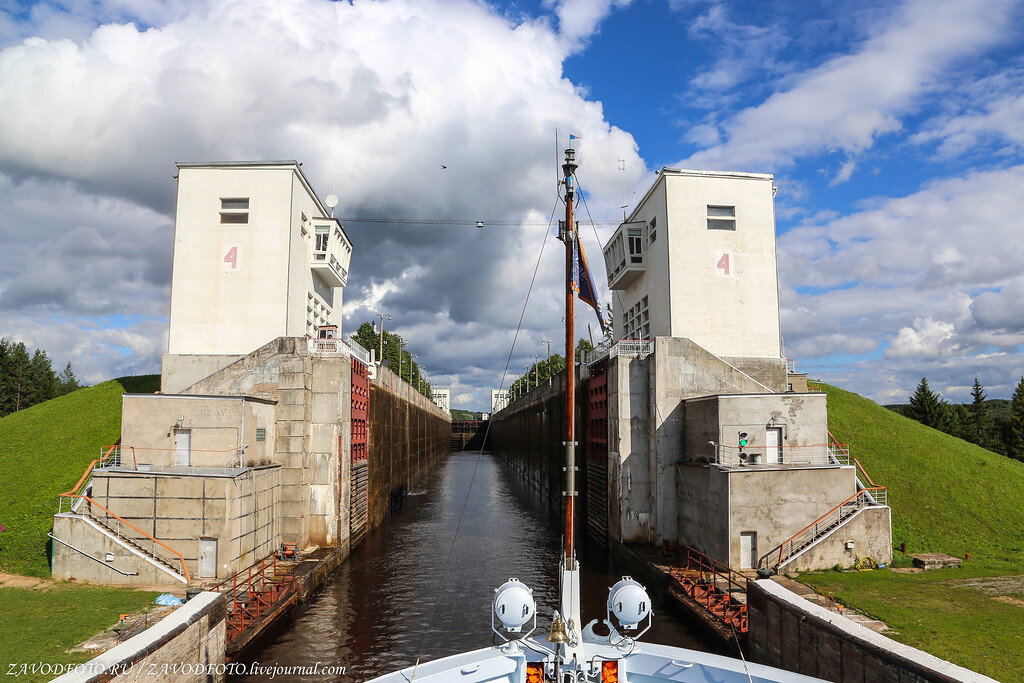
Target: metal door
(748, 550)
(773, 445)
(207, 558)
(182, 447)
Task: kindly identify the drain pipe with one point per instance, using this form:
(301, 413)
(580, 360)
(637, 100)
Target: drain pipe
(95, 559)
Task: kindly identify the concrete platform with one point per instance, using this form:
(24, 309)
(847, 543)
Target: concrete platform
(935, 561)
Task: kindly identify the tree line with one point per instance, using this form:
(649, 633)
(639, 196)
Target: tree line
(395, 356)
(541, 370)
(27, 379)
(994, 424)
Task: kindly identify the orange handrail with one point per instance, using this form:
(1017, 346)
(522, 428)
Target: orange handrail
(819, 519)
(857, 462)
(89, 469)
(865, 473)
(128, 524)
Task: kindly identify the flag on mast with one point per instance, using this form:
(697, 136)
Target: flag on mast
(583, 280)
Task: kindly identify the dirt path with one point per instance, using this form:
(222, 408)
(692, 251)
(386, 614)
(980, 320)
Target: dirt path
(19, 581)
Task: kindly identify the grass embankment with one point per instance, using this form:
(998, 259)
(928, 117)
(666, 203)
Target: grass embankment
(43, 451)
(944, 492)
(40, 625)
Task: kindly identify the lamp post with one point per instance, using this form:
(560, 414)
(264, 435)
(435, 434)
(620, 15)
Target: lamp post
(549, 343)
(382, 316)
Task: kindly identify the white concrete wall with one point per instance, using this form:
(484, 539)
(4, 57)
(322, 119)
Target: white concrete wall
(734, 314)
(731, 314)
(226, 302)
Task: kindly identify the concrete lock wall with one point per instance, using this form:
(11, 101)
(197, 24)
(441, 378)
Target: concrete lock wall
(408, 435)
(630, 507)
(241, 512)
(312, 432)
(704, 510)
(529, 434)
(187, 645)
(789, 632)
(218, 426)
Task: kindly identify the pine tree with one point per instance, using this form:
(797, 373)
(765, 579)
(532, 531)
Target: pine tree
(67, 380)
(980, 421)
(927, 408)
(1015, 430)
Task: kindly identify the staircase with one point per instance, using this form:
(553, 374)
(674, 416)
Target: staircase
(825, 526)
(124, 532)
(719, 592)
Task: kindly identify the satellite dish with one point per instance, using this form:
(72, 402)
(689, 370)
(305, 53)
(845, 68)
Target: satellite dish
(331, 201)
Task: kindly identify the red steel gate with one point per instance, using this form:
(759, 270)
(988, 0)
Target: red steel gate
(358, 509)
(597, 452)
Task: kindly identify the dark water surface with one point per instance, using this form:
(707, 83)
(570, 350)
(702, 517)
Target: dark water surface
(387, 604)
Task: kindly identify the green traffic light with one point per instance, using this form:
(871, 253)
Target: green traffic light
(743, 439)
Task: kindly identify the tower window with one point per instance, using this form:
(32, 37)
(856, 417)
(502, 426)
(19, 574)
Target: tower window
(234, 210)
(652, 234)
(721, 217)
(635, 239)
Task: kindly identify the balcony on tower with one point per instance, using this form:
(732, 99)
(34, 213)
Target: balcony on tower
(332, 251)
(624, 255)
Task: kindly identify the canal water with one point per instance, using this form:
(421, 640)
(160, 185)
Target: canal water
(388, 603)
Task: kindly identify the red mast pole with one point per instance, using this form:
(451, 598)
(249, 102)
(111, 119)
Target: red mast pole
(569, 237)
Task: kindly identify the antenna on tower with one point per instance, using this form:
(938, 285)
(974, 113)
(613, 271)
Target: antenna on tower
(331, 201)
(622, 169)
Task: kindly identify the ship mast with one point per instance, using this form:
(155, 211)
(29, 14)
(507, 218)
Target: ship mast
(569, 237)
(566, 630)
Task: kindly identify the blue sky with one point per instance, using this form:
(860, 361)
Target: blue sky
(894, 129)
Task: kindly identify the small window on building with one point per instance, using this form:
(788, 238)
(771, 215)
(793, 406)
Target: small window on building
(721, 217)
(261, 434)
(635, 238)
(234, 210)
(323, 236)
(653, 235)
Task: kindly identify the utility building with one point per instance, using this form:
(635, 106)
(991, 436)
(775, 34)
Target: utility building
(696, 259)
(699, 431)
(256, 257)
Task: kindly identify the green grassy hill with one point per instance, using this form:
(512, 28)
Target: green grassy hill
(43, 452)
(943, 491)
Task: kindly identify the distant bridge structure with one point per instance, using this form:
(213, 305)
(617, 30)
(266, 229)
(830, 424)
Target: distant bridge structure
(468, 434)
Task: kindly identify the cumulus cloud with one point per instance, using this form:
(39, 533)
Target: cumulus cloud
(579, 19)
(373, 97)
(847, 102)
(1002, 309)
(932, 277)
(926, 339)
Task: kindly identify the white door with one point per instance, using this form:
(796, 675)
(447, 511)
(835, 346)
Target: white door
(748, 550)
(207, 558)
(772, 445)
(182, 447)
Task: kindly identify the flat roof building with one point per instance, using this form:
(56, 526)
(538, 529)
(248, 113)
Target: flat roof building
(696, 259)
(256, 257)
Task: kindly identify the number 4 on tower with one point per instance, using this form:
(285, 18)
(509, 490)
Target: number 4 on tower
(723, 263)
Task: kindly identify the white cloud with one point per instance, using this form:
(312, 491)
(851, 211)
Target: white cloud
(926, 339)
(934, 276)
(579, 19)
(372, 97)
(848, 101)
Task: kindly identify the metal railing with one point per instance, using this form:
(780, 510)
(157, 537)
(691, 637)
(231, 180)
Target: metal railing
(869, 497)
(632, 347)
(340, 346)
(143, 459)
(252, 592)
(790, 366)
(125, 531)
(714, 585)
(815, 455)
